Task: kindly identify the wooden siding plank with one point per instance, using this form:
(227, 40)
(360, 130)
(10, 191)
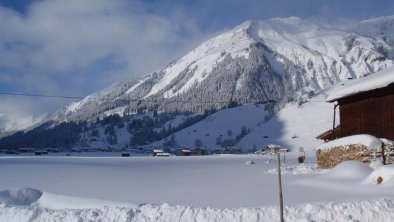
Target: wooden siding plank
(372, 114)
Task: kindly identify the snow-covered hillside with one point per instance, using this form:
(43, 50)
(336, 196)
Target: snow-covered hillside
(245, 128)
(294, 126)
(278, 59)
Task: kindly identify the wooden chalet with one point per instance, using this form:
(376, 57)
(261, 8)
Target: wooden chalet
(366, 106)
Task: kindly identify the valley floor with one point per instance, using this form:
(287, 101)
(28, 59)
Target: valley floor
(205, 188)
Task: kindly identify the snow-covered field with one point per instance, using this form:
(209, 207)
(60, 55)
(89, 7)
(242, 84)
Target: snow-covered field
(206, 188)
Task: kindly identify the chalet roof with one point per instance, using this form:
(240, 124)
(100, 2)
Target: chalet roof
(377, 80)
(328, 135)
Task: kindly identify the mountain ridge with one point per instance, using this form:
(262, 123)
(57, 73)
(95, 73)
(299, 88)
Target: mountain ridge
(297, 56)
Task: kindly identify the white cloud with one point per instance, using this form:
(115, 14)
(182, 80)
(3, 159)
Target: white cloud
(77, 47)
(73, 33)
(16, 114)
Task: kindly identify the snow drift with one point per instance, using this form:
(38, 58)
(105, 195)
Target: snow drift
(25, 196)
(376, 210)
(386, 172)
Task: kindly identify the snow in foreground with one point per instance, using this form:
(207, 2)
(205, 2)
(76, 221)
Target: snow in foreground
(374, 210)
(212, 188)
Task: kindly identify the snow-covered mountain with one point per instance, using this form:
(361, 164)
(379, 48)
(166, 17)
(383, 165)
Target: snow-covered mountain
(279, 64)
(279, 59)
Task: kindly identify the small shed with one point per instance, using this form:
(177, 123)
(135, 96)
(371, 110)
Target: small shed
(125, 154)
(26, 150)
(273, 148)
(185, 152)
(200, 151)
(164, 154)
(157, 152)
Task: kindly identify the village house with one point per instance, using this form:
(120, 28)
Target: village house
(157, 152)
(185, 152)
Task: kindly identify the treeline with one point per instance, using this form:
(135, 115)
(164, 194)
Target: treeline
(149, 129)
(229, 142)
(142, 129)
(63, 135)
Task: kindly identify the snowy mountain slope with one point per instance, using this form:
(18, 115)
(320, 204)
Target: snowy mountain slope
(220, 126)
(246, 128)
(377, 27)
(202, 59)
(258, 61)
(294, 126)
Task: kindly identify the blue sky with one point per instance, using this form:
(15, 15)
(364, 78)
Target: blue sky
(74, 47)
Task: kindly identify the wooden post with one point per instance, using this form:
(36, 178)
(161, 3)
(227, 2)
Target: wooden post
(383, 154)
(280, 188)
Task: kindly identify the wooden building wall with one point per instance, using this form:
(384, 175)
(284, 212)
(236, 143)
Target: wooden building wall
(369, 112)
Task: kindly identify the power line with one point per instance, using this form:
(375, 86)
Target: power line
(40, 95)
(121, 100)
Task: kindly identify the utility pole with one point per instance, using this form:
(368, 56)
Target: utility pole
(280, 188)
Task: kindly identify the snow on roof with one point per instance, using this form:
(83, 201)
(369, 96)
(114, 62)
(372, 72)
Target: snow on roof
(362, 139)
(377, 80)
(272, 146)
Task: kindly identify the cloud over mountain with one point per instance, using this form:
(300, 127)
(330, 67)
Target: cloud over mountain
(77, 47)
